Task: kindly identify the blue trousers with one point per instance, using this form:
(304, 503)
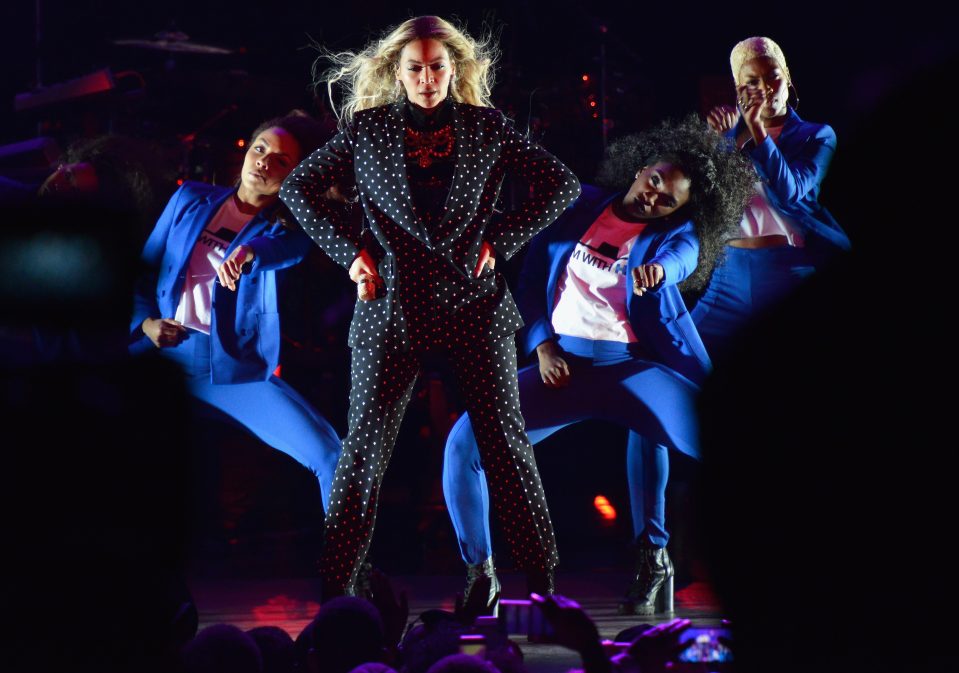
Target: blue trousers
(745, 283)
(271, 410)
(655, 403)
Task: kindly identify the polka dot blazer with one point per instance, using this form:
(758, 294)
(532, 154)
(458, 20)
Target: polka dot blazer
(429, 273)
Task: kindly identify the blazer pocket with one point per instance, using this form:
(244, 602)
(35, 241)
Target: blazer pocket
(268, 336)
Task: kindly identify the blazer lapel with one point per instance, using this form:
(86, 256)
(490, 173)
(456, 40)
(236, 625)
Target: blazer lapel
(201, 217)
(403, 213)
(205, 209)
(466, 143)
(792, 124)
(256, 226)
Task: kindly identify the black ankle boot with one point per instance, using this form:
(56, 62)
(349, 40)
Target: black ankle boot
(651, 590)
(359, 584)
(474, 571)
(541, 581)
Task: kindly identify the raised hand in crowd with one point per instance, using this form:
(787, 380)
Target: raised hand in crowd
(574, 629)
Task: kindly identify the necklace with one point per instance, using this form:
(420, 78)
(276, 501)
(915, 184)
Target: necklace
(425, 146)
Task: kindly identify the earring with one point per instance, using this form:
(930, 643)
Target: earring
(793, 93)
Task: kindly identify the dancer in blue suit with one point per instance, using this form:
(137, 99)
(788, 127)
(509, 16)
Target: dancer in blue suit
(785, 234)
(599, 293)
(208, 300)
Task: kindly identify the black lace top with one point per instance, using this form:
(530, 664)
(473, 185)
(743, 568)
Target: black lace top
(430, 159)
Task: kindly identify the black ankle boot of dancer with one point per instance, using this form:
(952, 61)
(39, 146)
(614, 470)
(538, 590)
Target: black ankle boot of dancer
(651, 590)
(474, 571)
(540, 581)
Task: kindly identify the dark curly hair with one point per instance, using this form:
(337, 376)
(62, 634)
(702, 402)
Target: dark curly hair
(721, 181)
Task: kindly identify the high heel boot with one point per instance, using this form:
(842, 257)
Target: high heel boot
(474, 571)
(651, 590)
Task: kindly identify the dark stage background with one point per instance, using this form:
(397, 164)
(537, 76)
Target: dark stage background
(253, 507)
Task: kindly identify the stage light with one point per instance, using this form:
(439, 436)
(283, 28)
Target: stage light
(282, 609)
(240, 143)
(585, 78)
(604, 507)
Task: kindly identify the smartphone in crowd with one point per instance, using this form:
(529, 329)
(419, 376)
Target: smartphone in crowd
(706, 645)
(473, 644)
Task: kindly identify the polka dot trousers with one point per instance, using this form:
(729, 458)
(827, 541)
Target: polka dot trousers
(382, 383)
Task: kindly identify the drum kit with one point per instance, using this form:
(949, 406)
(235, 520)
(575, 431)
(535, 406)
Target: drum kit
(174, 42)
(110, 99)
(186, 68)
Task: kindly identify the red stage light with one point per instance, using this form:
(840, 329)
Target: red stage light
(179, 181)
(282, 608)
(604, 507)
(592, 103)
(240, 143)
(585, 78)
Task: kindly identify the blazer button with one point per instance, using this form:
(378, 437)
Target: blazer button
(170, 268)
(665, 320)
(162, 293)
(677, 343)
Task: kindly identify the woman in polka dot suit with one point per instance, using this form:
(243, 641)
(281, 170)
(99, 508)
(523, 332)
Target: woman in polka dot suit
(427, 155)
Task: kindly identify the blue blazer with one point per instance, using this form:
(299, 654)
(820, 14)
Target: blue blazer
(793, 170)
(245, 326)
(659, 318)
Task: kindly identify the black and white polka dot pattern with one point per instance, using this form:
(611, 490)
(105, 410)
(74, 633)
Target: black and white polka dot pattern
(382, 385)
(432, 303)
(370, 155)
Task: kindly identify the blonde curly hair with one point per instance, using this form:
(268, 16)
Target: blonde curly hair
(368, 78)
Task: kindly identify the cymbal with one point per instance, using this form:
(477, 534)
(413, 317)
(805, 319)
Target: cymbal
(175, 42)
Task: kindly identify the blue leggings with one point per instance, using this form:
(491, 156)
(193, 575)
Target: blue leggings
(745, 283)
(271, 410)
(655, 403)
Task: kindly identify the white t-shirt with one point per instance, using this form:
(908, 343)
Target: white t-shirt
(591, 295)
(196, 302)
(762, 219)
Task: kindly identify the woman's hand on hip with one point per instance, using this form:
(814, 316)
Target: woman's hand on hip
(722, 118)
(163, 332)
(363, 272)
(232, 268)
(487, 257)
(552, 367)
(646, 277)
